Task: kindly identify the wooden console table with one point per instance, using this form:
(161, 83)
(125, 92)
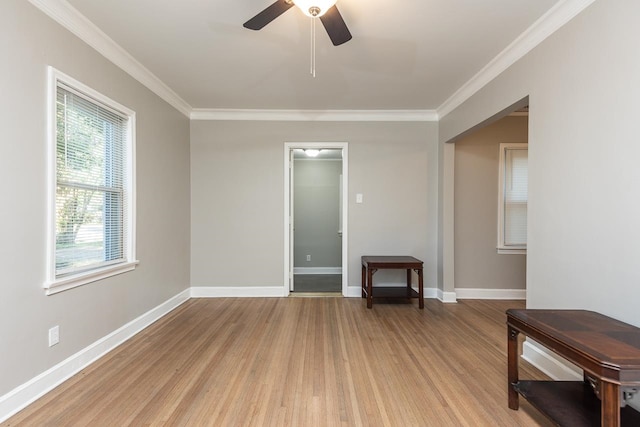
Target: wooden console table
(371, 264)
(606, 349)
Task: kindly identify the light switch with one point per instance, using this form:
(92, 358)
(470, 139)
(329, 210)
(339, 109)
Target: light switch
(359, 198)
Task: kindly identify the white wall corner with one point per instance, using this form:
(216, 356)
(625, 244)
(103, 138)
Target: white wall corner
(27, 393)
(448, 226)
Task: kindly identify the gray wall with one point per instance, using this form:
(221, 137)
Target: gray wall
(316, 188)
(477, 262)
(238, 196)
(31, 41)
(584, 179)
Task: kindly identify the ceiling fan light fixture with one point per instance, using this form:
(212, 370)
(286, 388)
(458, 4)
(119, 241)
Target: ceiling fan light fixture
(314, 8)
(326, 10)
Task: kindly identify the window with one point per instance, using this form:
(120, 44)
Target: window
(91, 191)
(513, 198)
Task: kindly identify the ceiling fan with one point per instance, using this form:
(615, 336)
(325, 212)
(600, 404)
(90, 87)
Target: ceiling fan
(326, 10)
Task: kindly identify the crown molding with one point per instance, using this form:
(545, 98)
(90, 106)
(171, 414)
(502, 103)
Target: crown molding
(546, 25)
(69, 17)
(316, 115)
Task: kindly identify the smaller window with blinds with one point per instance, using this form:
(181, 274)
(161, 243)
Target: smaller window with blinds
(513, 198)
(91, 206)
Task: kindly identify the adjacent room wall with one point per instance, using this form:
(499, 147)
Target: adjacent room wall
(477, 262)
(584, 179)
(238, 196)
(31, 42)
(317, 213)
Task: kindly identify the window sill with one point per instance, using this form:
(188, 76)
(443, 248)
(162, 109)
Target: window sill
(512, 251)
(66, 283)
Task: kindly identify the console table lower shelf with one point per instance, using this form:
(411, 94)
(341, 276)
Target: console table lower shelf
(393, 292)
(570, 403)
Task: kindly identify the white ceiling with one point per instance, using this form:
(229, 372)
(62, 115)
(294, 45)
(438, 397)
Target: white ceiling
(404, 55)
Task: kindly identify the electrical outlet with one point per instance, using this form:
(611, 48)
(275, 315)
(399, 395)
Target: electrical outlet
(54, 336)
(308, 257)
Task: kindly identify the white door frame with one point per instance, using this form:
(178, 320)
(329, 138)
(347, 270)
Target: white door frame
(288, 246)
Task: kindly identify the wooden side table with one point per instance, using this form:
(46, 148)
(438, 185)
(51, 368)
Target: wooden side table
(606, 349)
(371, 264)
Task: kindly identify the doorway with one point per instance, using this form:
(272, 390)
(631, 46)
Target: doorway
(316, 182)
(485, 264)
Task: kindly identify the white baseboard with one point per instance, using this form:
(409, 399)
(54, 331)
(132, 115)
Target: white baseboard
(477, 293)
(317, 270)
(237, 291)
(23, 395)
(446, 297)
(430, 293)
(354, 292)
(549, 363)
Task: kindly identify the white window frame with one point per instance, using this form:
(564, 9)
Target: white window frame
(55, 284)
(501, 246)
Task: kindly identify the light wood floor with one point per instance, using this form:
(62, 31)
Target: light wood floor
(300, 362)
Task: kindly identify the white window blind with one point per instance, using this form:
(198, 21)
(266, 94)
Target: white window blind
(513, 198)
(90, 178)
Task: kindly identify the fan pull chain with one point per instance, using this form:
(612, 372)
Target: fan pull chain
(313, 47)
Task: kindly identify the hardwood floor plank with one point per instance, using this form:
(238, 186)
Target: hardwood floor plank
(300, 362)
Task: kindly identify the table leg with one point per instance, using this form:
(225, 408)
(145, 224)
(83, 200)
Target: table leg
(420, 289)
(364, 276)
(369, 287)
(512, 360)
(610, 404)
(408, 283)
